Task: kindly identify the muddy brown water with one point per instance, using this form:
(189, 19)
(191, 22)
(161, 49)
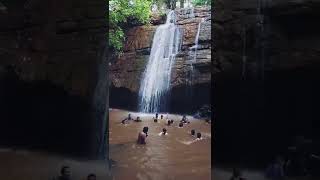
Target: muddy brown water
(170, 157)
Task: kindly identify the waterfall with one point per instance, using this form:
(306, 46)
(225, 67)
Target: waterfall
(156, 78)
(194, 49)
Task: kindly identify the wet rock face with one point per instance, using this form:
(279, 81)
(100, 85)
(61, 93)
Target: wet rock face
(250, 105)
(126, 70)
(59, 47)
(289, 36)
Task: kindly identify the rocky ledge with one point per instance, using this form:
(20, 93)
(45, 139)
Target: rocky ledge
(127, 69)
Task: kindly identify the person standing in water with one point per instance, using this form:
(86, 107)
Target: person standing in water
(142, 136)
(129, 117)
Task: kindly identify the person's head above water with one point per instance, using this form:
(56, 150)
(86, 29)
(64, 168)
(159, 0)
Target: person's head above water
(193, 132)
(169, 122)
(161, 116)
(180, 124)
(91, 177)
(138, 118)
(129, 116)
(198, 135)
(164, 130)
(65, 172)
(145, 129)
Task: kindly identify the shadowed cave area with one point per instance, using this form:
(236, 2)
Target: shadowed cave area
(53, 77)
(44, 116)
(182, 99)
(258, 118)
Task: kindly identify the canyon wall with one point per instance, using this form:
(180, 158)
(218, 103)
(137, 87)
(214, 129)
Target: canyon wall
(53, 73)
(265, 71)
(126, 71)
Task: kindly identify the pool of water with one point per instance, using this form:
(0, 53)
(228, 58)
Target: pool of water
(174, 156)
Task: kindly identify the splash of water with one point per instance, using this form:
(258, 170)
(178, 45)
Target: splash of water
(155, 83)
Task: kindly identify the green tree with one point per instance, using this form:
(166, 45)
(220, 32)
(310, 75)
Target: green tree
(123, 13)
(201, 2)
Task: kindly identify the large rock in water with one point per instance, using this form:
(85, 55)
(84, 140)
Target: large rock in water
(126, 71)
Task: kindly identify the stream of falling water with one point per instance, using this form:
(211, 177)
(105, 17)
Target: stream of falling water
(155, 83)
(193, 54)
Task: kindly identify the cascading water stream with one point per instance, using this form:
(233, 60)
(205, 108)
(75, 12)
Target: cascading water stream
(194, 49)
(155, 83)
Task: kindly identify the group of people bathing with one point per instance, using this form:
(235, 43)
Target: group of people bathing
(144, 134)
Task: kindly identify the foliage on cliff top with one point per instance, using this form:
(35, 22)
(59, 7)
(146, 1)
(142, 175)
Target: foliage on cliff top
(201, 2)
(122, 13)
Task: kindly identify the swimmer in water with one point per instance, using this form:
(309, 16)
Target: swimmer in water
(199, 136)
(164, 132)
(184, 119)
(169, 122)
(127, 119)
(156, 115)
(138, 119)
(161, 117)
(155, 120)
(193, 132)
(143, 135)
(124, 121)
(180, 125)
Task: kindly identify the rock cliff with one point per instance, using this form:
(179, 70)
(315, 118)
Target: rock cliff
(126, 70)
(266, 65)
(53, 75)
